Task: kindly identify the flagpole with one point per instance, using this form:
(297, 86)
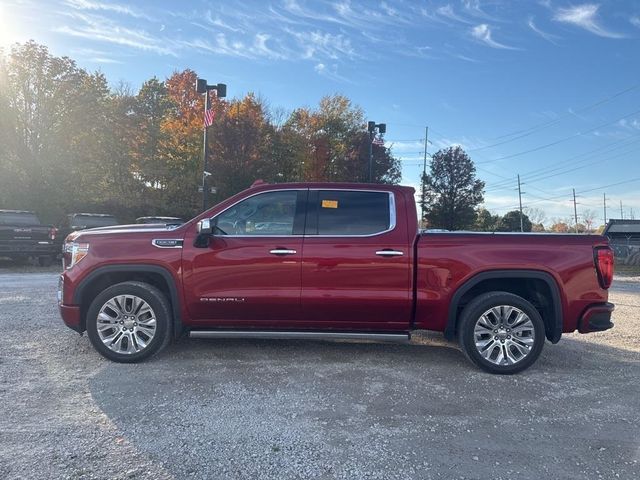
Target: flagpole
(205, 196)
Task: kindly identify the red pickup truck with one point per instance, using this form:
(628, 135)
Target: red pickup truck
(326, 260)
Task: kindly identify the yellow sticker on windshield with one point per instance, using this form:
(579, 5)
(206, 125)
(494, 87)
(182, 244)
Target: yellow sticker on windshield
(329, 204)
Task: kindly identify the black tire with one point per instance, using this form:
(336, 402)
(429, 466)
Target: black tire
(158, 303)
(474, 311)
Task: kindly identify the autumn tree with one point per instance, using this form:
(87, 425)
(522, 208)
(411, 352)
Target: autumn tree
(559, 226)
(69, 142)
(452, 191)
(181, 131)
(336, 144)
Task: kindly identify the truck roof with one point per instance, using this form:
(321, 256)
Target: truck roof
(92, 214)
(332, 185)
(15, 211)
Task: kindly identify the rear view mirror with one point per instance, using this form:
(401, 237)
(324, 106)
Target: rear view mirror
(204, 233)
(204, 227)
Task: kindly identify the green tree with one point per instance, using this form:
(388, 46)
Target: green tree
(452, 192)
(486, 222)
(511, 222)
(55, 120)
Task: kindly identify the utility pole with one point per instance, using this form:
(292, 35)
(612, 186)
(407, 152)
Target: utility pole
(604, 201)
(621, 212)
(575, 209)
(424, 170)
(520, 199)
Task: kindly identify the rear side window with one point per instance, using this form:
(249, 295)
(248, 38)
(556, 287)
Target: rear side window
(18, 218)
(353, 212)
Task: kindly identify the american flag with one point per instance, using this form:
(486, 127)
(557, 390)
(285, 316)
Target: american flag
(378, 141)
(208, 117)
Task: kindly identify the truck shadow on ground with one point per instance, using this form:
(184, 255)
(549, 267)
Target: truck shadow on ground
(267, 408)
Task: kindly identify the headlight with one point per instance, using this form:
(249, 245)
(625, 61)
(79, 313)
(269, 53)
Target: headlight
(74, 252)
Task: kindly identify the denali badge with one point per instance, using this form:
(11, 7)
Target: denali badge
(167, 243)
(222, 299)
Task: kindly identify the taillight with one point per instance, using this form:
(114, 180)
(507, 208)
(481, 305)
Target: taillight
(603, 257)
(53, 231)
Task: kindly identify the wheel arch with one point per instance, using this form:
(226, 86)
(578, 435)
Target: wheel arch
(103, 277)
(538, 287)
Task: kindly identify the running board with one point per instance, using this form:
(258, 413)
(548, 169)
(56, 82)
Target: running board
(298, 335)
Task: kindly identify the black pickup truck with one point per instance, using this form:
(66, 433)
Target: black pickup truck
(23, 236)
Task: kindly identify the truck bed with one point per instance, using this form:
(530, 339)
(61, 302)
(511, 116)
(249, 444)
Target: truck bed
(446, 261)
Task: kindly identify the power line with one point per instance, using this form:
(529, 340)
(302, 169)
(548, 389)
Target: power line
(541, 147)
(581, 156)
(564, 169)
(531, 130)
(581, 192)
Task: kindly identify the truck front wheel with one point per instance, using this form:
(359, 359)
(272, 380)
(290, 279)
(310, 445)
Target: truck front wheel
(501, 332)
(128, 322)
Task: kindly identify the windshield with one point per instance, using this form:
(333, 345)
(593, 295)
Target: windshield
(90, 221)
(18, 218)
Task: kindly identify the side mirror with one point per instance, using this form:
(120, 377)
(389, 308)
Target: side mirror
(204, 227)
(204, 233)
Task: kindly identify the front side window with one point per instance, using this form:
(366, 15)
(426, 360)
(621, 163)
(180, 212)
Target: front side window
(353, 212)
(270, 213)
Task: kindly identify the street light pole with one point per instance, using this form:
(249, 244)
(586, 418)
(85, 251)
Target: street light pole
(371, 128)
(221, 92)
(205, 166)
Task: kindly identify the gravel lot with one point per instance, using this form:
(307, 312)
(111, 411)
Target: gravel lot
(293, 409)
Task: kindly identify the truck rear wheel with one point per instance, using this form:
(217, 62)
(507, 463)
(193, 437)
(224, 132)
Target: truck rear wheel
(501, 332)
(128, 322)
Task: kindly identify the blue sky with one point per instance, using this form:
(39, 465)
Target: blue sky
(547, 89)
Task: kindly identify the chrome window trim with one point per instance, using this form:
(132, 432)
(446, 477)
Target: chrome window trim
(392, 213)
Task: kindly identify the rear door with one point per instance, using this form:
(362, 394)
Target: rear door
(249, 275)
(355, 267)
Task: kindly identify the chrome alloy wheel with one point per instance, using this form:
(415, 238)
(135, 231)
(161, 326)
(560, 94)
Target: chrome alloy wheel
(504, 335)
(126, 324)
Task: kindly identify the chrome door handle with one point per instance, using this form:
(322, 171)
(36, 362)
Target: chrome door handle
(282, 251)
(389, 253)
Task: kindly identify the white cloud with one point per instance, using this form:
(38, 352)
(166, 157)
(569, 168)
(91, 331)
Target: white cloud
(317, 44)
(107, 7)
(447, 11)
(331, 72)
(98, 28)
(584, 16)
(635, 21)
(104, 60)
(547, 36)
(483, 34)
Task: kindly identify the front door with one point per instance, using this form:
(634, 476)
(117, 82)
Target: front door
(249, 275)
(356, 271)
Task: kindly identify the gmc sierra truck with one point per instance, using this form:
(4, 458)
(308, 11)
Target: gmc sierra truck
(22, 236)
(331, 261)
